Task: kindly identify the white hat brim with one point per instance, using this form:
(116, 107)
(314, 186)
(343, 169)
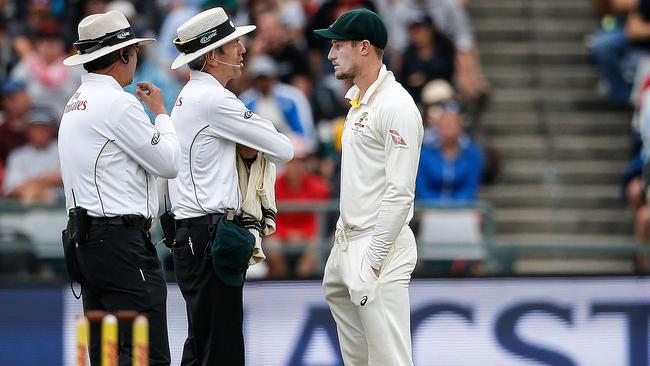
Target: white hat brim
(184, 58)
(79, 59)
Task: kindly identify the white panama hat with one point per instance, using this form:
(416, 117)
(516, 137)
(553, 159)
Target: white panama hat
(101, 34)
(203, 33)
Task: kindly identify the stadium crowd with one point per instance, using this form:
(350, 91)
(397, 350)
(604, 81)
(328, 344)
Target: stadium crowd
(620, 51)
(287, 79)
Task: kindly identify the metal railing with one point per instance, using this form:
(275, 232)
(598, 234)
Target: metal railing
(38, 229)
(39, 226)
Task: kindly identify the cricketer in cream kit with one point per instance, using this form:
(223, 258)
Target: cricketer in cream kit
(381, 147)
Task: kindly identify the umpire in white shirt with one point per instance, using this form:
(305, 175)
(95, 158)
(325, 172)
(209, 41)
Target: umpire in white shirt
(213, 125)
(110, 154)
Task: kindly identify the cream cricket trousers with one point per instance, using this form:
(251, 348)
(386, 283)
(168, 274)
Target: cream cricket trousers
(372, 313)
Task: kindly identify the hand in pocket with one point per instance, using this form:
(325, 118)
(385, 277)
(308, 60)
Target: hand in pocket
(364, 284)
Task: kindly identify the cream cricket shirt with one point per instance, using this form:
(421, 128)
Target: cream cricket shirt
(110, 151)
(381, 151)
(210, 122)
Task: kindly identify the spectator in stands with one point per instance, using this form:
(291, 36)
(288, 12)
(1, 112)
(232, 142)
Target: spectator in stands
(8, 57)
(151, 71)
(613, 50)
(48, 80)
(15, 106)
(291, 14)
(281, 103)
(273, 38)
(24, 29)
(285, 257)
(634, 192)
(2, 177)
(636, 182)
(33, 174)
(327, 13)
(450, 162)
(453, 21)
(429, 55)
(178, 12)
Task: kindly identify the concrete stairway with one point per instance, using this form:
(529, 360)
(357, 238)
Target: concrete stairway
(563, 150)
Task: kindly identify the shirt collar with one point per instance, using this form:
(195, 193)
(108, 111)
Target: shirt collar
(101, 78)
(204, 77)
(353, 92)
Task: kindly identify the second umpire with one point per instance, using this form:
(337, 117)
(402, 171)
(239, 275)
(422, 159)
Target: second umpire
(110, 154)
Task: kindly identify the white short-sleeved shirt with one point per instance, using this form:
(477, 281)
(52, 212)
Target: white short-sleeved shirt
(110, 151)
(210, 122)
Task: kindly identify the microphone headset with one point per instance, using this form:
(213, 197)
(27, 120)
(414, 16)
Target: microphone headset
(224, 63)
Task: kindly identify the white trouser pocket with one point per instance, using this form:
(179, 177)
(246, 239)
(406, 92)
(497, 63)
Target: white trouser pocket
(361, 279)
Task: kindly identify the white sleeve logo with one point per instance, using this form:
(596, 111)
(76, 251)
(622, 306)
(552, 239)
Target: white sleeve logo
(156, 138)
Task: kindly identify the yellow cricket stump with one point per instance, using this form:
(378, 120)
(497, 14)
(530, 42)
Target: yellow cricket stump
(141, 341)
(109, 340)
(83, 334)
(109, 337)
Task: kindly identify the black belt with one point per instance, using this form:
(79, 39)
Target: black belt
(125, 220)
(209, 219)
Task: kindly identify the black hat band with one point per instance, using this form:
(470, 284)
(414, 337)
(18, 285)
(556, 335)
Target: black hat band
(109, 39)
(205, 39)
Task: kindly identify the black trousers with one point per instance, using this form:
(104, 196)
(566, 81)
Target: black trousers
(122, 271)
(214, 310)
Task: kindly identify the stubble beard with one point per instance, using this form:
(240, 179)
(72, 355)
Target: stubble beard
(350, 74)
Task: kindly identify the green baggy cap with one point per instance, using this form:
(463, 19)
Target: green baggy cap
(357, 25)
(231, 250)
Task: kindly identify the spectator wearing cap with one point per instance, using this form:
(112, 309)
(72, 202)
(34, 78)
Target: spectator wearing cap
(281, 103)
(450, 163)
(33, 174)
(48, 80)
(297, 184)
(15, 106)
(429, 56)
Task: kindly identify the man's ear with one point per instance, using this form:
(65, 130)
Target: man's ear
(365, 47)
(124, 56)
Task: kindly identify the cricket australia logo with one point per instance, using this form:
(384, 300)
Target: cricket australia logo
(398, 140)
(208, 37)
(361, 123)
